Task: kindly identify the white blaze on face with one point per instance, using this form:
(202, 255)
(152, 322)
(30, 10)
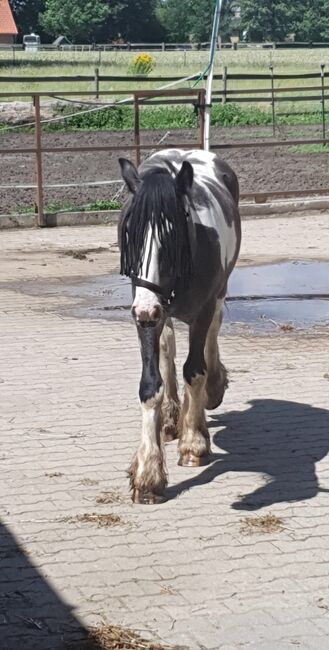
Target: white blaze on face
(146, 305)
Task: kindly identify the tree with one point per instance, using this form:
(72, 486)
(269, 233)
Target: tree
(269, 19)
(133, 20)
(313, 23)
(192, 20)
(26, 14)
(79, 20)
(175, 18)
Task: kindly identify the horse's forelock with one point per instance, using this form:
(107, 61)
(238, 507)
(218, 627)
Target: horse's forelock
(156, 205)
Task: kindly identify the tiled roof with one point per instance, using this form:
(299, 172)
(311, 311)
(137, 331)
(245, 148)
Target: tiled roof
(7, 23)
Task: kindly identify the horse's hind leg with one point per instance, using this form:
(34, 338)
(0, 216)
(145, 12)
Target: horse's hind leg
(216, 372)
(194, 441)
(170, 405)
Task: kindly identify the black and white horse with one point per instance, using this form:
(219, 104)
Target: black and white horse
(179, 238)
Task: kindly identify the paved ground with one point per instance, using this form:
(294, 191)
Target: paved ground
(183, 572)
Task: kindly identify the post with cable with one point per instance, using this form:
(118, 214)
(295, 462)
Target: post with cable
(136, 129)
(38, 151)
(210, 73)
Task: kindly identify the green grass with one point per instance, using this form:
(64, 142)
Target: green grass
(251, 61)
(310, 148)
(120, 118)
(67, 206)
(174, 117)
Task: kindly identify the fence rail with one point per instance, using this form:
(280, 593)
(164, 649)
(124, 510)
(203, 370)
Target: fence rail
(39, 149)
(164, 47)
(193, 96)
(225, 76)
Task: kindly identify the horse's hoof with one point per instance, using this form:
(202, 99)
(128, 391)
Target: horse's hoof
(190, 460)
(146, 498)
(211, 405)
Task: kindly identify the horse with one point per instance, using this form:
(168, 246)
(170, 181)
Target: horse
(179, 236)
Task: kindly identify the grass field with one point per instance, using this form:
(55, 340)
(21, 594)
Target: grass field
(250, 61)
(167, 63)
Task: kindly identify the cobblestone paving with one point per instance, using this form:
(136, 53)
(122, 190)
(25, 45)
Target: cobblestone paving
(183, 572)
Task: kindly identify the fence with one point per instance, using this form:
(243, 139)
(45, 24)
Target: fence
(267, 91)
(166, 47)
(191, 96)
(198, 96)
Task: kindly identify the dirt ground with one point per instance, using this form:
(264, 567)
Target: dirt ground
(258, 169)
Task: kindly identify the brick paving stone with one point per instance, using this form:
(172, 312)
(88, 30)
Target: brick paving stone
(181, 572)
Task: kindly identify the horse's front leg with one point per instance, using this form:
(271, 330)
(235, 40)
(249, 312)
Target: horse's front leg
(194, 441)
(170, 405)
(147, 471)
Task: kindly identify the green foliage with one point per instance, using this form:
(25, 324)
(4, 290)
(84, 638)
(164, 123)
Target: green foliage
(236, 115)
(174, 16)
(76, 19)
(66, 206)
(159, 117)
(174, 117)
(191, 20)
(102, 204)
(313, 21)
(114, 119)
(171, 20)
(274, 19)
(132, 20)
(310, 148)
(268, 20)
(26, 14)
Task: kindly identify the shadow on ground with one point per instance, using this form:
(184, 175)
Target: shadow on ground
(32, 615)
(277, 439)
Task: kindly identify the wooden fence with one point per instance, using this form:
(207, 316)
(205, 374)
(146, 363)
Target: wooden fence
(138, 95)
(166, 47)
(267, 89)
(192, 96)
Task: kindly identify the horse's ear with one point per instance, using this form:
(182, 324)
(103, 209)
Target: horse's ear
(129, 174)
(184, 178)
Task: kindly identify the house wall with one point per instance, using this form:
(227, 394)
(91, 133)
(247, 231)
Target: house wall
(6, 39)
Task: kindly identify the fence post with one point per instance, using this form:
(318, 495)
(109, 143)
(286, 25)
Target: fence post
(323, 107)
(273, 100)
(224, 85)
(136, 129)
(97, 82)
(201, 106)
(39, 197)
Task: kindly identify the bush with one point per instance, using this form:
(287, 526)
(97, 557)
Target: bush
(142, 64)
(236, 115)
(120, 118)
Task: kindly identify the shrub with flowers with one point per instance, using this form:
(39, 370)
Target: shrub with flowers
(142, 64)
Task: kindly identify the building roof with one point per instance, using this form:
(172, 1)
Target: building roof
(7, 23)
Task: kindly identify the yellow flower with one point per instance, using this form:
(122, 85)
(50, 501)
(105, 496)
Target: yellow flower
(142, 63)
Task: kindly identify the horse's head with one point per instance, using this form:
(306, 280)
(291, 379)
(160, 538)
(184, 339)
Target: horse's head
(154, 237)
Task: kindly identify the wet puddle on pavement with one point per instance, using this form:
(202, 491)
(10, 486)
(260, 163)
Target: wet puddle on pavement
(261, 297)
(295, 293)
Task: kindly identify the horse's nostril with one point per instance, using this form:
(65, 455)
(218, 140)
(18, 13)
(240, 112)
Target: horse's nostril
(155, 313)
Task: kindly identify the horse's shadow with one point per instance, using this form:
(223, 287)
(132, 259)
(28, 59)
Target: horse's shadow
(280, 440)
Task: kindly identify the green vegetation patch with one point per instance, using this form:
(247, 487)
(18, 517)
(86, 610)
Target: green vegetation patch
(310, 148)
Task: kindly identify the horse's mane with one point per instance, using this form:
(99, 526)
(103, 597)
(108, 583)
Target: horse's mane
(156, 204)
